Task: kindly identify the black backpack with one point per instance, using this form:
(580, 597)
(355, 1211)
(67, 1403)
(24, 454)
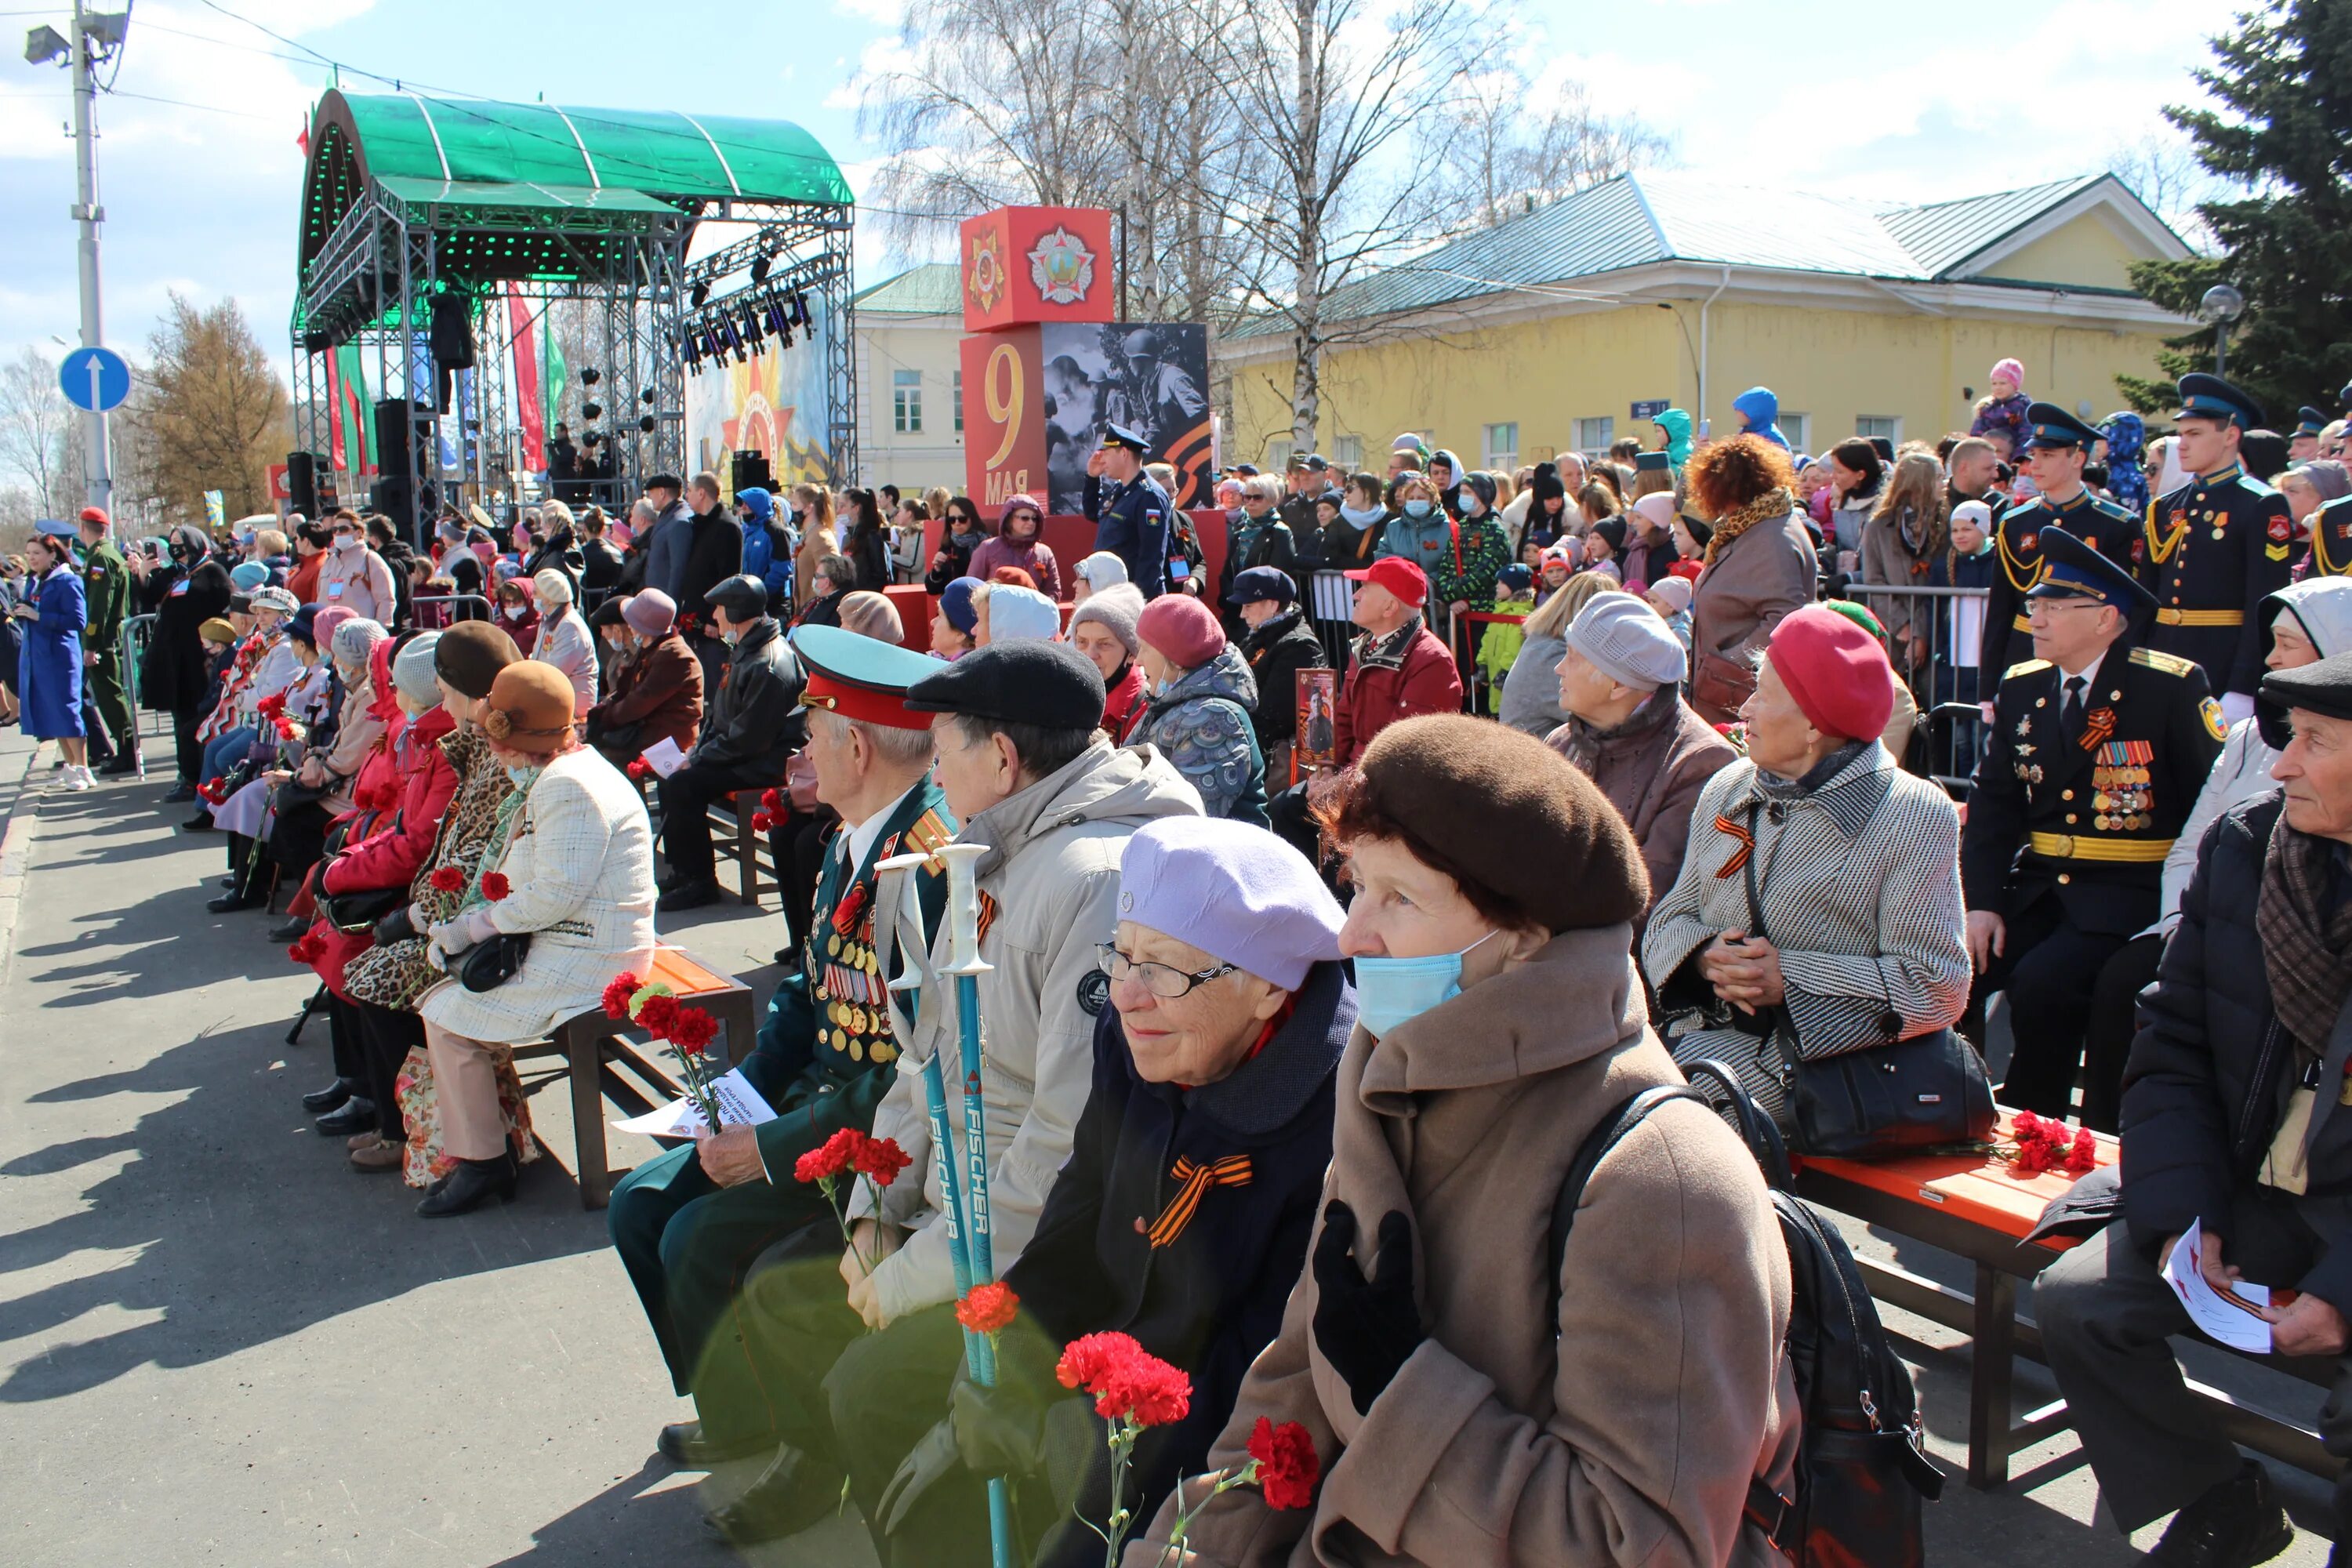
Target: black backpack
(1861, 1466)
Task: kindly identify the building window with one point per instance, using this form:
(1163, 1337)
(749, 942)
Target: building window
(1347, 454)
(1500, 447)
(907, 402)
(1879, 427)
(1793, 426)
(1277, 456)
(958, 402)
(1593, 436)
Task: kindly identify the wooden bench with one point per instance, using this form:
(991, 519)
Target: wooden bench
(1981, 1211)
(591, 1045)
(744, 846)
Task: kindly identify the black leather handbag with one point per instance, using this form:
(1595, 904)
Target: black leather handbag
(486, 965)
(1890, 1099)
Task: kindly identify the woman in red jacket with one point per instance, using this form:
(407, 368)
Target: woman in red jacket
(385, 856)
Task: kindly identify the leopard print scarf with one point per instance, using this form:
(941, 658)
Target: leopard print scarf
(1772, 503)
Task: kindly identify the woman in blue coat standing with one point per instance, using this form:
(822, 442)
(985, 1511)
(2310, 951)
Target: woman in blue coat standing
(48, 669)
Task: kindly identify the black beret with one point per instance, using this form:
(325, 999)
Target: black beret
(1049, 684)
(2323, 687)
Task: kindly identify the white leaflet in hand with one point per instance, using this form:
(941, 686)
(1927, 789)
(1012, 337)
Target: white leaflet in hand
(740, 1105)
(664, 757)
(2228, 1318)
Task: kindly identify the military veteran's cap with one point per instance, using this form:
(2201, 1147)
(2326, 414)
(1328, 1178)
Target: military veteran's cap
(1115, 436)
(2309, 421)
(2078, 571)
(2047, 424)
(2204, 396)
(861, 678)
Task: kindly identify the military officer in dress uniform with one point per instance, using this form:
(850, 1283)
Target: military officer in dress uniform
(2096, 753)
(689, 1225)
(2215, 548)
(1131, 518)
(2331, 539)
(106, 588)
(2302, 443)
(2057, 446)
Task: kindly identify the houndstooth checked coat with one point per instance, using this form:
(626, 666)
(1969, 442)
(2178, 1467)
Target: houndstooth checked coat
(1860, 885)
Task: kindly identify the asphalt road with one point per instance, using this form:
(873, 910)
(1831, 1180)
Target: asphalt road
(218, 1345)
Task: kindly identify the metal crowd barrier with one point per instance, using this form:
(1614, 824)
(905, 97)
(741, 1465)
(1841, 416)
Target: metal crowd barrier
(1944, 679)
(138, 631)
(443, 619)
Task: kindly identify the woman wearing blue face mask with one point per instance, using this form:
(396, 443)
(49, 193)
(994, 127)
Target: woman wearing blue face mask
(1419, 529)
(1465, 1403)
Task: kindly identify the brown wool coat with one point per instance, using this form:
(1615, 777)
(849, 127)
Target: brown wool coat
(1652, 768)
(1624, 1432)
(1751, 583)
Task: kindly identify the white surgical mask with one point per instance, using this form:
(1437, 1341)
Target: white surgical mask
(1417, 508)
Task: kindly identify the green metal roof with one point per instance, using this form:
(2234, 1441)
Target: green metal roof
(538, 155)
(934, 289)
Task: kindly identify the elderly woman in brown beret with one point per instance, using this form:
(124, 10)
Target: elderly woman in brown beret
(572, 868)
(1471, 1398)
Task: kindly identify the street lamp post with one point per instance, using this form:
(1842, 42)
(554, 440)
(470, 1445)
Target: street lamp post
(2222, 305)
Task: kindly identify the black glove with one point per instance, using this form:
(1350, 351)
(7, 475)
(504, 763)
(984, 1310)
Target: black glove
(999, 1431)
(1365, 1329)
(930, 1459)
(393, 927)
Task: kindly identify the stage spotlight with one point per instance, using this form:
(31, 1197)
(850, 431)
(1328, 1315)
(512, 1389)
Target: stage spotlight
(646, 397)
(773, 315)
(699, 292)
(759, 270)
(647, 423)
(591, 376)
(800, 300)
(592, 411)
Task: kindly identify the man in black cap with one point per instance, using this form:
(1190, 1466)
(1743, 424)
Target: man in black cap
(669, 538)
(2097, 752)
(1278, 643)
(754, 728)
(2057, 446)
(1024, 770)
(2215, 548)
(2236, 1125)
(1132, 520)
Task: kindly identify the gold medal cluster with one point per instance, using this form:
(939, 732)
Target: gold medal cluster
(2120, 796)
(850, 990)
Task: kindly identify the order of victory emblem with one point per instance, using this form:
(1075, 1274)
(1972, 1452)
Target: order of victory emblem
(1062, 267)
(984, 277)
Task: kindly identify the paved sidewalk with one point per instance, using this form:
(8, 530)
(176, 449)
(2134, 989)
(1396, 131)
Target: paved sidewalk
(220, 1346)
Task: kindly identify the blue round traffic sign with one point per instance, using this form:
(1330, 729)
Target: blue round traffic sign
(95, 379)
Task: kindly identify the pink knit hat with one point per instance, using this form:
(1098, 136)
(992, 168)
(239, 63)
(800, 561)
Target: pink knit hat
(1182, 629)
(2009, 371)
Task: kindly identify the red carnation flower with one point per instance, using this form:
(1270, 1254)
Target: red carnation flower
(771, 800)
(882, 1159)
(300, 951)
(693, 1030)
(285, 727)
(495, 886)
(1126, 1381)
(830, 1158)
(638, 768)
(1287, 1465)
(617, 992)
(658, 1014)
(447, 879)
(987, 1309)
(2084, 1156)
(761, 821)
(271, 706)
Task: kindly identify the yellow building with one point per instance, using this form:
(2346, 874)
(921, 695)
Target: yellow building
(1543, 335)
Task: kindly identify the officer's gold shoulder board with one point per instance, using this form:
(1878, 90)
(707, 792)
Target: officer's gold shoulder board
(2027, 667)
(930, 831)
(2170, 663)
(2215, 725)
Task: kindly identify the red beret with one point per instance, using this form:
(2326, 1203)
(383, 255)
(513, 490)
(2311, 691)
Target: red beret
(1837, 672)
(1183, 629)
(94, 514)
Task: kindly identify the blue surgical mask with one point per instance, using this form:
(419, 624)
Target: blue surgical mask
(1392, 991)
(1359, 516)
(1417, 508)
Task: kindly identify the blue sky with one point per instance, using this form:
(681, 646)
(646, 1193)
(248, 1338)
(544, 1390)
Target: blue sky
(1915, 104)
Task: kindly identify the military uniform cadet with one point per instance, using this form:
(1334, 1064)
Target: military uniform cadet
(106, 588)
(2095, 756)
(1131, 517)
(2057, 444)
(824, 1058)
(2216, 547)
(2303, 444)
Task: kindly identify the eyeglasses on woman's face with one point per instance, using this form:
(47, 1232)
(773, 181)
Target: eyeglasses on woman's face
(1162, 980)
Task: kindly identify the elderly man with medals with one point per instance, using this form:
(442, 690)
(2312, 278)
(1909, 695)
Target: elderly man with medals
(689, 1224)
(2096, 753)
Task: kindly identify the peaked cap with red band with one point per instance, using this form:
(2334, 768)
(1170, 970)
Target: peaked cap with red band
(859, 678)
